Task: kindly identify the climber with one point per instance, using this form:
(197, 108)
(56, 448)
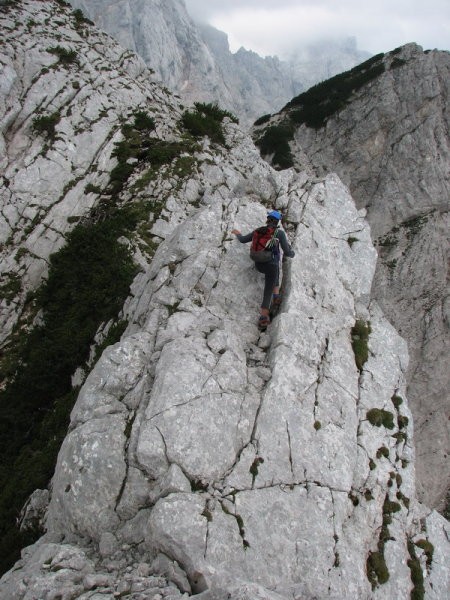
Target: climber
(265, 251)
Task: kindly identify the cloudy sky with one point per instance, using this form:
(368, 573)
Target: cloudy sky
(276, 26)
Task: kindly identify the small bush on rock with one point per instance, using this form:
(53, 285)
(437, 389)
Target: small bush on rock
(418, 591)
(206, 120)
(80, 19)
(376, 568)
(383, 451)
(396, 401)
(275, 142)
(379, 417)
(66, 57)
(46, 124)
(360, 340)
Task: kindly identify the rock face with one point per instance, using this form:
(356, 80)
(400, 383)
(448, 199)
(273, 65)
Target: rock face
(205, 458)
(59, 120)
(195, 61)
(390, 145)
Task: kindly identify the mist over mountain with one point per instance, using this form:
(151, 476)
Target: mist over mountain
(195, 62)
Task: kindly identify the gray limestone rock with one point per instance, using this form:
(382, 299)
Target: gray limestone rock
(44, 175)
(390, 145)
(195, 61)
(206, 458)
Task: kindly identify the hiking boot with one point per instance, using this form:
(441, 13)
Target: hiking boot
(263, 322)
(276, 299)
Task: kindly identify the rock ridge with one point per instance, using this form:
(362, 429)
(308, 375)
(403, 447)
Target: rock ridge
(206, 459)
(390, 144)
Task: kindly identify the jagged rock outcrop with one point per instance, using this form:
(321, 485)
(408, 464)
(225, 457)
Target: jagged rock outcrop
(259, 85)
(195, 61)
(390, 144)
(205, 458)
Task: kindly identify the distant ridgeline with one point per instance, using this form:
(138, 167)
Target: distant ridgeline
(313, 107)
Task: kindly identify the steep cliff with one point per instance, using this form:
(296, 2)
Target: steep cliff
(384, 128)
(203, 457)
(195, 61)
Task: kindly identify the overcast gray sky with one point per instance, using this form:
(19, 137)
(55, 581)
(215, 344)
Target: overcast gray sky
(276, 26)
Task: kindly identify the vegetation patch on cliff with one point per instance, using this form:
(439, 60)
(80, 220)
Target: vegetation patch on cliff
(323, 100)
(275, 142)
(360, 342)
(376, 567)
(139, 146)
(378, 417)
(206, 120)
(89, 279)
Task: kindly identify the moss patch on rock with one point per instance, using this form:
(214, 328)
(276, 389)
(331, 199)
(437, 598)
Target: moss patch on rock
(379, 417)
(360, 342)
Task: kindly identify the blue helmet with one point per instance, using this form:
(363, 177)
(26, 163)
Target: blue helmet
(274, 214)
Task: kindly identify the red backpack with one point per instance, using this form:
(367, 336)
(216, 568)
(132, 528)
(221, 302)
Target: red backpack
(264, 244)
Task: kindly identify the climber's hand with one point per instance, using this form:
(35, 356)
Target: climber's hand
(236, 231)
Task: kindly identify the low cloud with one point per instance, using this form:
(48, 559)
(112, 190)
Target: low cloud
(378, 26)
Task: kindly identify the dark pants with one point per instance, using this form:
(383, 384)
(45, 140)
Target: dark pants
(271, 272)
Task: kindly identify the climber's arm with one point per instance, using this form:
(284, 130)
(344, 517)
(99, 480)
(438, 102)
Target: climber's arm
(244, 239)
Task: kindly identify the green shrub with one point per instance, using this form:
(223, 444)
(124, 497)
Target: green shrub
(390, 506)
(396, 401)
(159, 152)
(119, 176)
(404, 499)
(323, 100)
(428, 548)
(143, 121)
(262, 120)
(206, 120)
(360, 338)
(92, 189)
(400, 436)
(46, 124)
(66, 57)
(376, 569)
(10, 289)
(139, 146)
(418, 591)
(213, 111)
(88, 281)
(383, 451)
(80, 19)
(378, 417)
(402, 421)
(201, 125)
(275, 141)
